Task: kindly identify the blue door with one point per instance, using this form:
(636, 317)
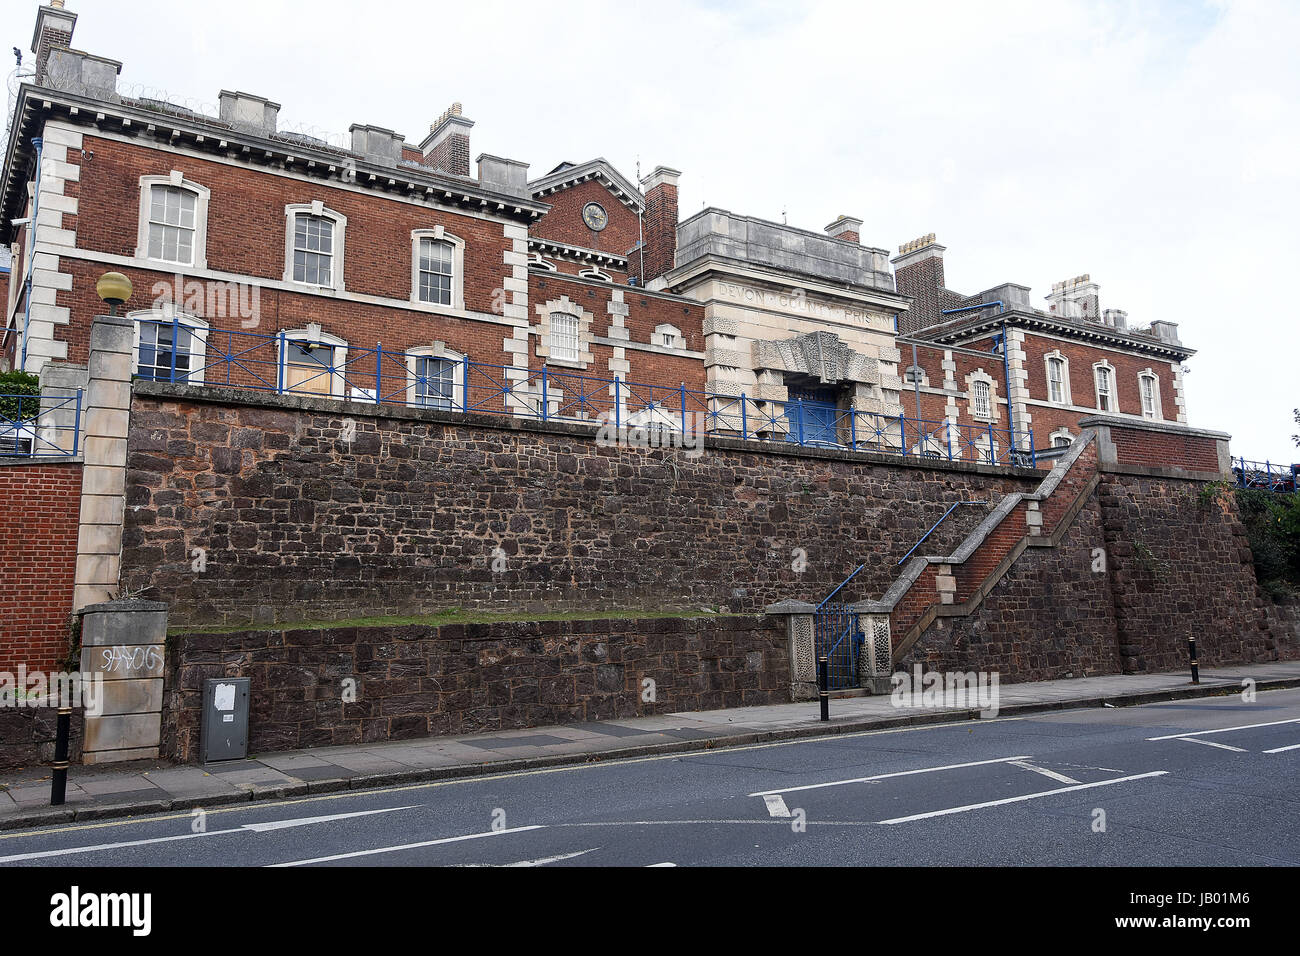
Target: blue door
(812, 415)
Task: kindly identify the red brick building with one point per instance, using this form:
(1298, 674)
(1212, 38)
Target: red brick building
(1069, 362)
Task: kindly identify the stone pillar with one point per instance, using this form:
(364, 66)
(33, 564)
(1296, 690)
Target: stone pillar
(803, 654)
(60, 382)
(876, 662)
(122, 644)
(106, 411)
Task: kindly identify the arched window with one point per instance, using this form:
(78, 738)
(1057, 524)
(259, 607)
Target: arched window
(564, 341)
(169, 346)
(1058, 378)
(173, 220)
(1104, 379)
(1149, 389)
(435, 378)
(981, 399)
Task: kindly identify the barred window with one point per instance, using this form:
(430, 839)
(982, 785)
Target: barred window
(981, 400)
(436, 268)
(564, 337)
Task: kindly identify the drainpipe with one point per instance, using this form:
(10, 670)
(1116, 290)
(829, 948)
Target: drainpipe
(1006, 363)
(31, 250)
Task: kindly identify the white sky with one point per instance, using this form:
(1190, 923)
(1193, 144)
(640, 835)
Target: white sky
(1152, 145)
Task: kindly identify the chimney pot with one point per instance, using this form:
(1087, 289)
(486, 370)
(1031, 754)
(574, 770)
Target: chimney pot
(846, 228)
(446, 148)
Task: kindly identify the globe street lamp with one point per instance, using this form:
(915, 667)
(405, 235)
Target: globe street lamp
(114, 288)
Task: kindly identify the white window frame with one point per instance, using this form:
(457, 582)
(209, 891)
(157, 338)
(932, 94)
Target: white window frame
(1111, 382)
(196, 326)
(535, 261)
(175, 180)
(338, 359)
(437, 351)
(337, 260)
(438, 234)
(576, 355)
(1060, 433)
(982, 378)
(595, 274)
(678, 340)
(1148, 375)
(1057, 356)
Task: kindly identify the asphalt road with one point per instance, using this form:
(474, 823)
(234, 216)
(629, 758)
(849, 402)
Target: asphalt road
(1210, 782)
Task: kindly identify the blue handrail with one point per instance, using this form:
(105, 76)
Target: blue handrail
(954, 507)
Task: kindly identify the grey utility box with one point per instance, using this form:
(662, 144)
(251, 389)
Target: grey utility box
(225, 719)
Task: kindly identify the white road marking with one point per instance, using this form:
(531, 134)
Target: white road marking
(1226, 730)
(247, 827)
(1028, 796)
(651, 866)
(1211, 743)
(553, 859)
(408, 846)
(307, 821)
(775, 805)
(1058, 777)
(1278, 750)
(886, 776)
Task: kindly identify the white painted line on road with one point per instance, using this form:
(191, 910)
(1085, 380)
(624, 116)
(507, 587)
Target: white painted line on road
(775, 805)
(408, 846)
(651, 866)
(1058, 777)
(1028, 796)
(1226, 730)
(247, 827)
(307, 821)
(1211, 743)
(1279, 750)
(553, 859)
(886, 776)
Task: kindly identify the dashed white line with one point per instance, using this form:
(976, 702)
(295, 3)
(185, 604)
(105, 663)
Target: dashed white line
(1278, 750)
(1027, 796)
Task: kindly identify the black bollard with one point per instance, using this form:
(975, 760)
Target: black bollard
(59, 782)
(1191, 652)
(823, 686)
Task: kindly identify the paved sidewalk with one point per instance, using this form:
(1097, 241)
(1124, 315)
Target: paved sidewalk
(143, 787)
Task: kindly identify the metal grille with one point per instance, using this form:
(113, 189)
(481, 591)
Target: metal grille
(837, 638)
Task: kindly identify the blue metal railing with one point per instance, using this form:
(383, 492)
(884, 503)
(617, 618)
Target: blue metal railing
(36, 432)
(933, 527)
(1265, 475)
(287, 363)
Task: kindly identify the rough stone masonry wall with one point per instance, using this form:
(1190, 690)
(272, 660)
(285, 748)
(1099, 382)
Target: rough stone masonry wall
(1181, 565)
(418, 680)
(1052, 616)
(296, 523)
(38, 553)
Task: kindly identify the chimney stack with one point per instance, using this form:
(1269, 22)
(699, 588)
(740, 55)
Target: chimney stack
(918, 273)
(377, 144)
(846, 228)
(1076, 298)
(446, 148)
(255, 113)
(54, 27)
(1116, 319)
(659, 225)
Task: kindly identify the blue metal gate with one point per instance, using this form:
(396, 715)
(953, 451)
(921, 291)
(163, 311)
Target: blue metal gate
(812, 416)
(837, 637)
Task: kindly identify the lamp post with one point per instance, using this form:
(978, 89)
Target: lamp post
(114, 288)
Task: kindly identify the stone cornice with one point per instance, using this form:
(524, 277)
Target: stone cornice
(706, 267)
(563, 250)
(599, 169)
(206, 134)
(984, 324)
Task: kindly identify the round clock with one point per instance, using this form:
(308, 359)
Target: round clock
(594, 215)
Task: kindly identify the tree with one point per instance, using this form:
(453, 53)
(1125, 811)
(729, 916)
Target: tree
(15, 384)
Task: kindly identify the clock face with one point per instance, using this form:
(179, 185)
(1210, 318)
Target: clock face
(594, 215)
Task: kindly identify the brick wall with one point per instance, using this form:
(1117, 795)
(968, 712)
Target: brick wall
(1154, 449)
(564, 222)
(38, 550)
(417, 680)
(298, 523)
(1050, 617)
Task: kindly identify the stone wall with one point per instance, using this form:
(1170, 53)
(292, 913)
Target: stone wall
(1052, 616)
(1180, 566)
(27, 736)
(417, 680)
(295, 522)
